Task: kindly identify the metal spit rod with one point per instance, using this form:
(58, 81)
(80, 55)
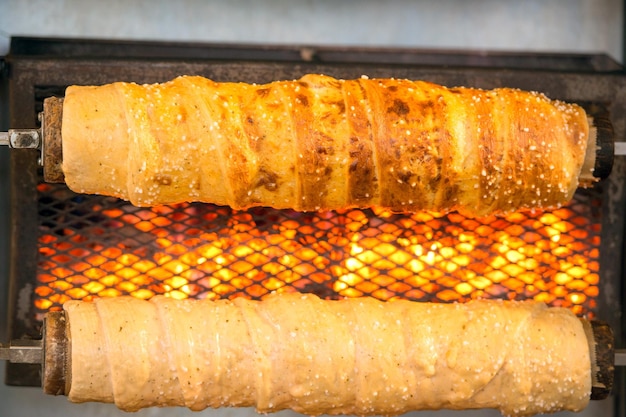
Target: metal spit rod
(31, 351)
(620, 148)
(22, 351)
(32, 139)
(620, 357)
(21, 138)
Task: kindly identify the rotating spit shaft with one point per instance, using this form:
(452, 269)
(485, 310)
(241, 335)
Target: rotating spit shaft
(53, 353)
(32, 351)
(47, 139)
(22, 351)
(21, 138)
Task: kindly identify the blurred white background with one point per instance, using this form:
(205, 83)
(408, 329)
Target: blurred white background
(531, 25)
(585, 26)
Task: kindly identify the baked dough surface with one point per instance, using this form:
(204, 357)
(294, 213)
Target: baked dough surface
(354, 356)
(319, 143)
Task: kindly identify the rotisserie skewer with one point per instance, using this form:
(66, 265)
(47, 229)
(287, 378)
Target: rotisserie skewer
(55, 351)
(541, 353)
(479, 152)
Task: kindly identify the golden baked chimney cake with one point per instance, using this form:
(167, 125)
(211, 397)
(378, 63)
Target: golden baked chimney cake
(320, 143)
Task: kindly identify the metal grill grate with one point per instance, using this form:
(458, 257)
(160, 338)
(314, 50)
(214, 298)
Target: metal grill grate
(104, 247)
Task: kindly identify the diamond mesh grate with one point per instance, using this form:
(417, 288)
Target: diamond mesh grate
(104, 247)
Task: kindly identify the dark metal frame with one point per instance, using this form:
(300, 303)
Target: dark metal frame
(45, 66)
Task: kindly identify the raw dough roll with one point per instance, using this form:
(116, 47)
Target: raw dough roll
(353, 356)
(319, 143)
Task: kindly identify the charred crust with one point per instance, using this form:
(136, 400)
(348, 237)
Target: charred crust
(362, 179)
(362, 183)
(302, 99)
(262, 92)
(412, 156)
(267, 179)
(405, 176)
(324, 150)
(399, 107)
(451, 191)
(434, 181)
(341, 105)
(324, 144)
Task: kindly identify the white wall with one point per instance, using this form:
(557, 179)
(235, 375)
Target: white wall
(531, 25)
(537, 25)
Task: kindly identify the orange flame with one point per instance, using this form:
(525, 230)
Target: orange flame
(202, 251)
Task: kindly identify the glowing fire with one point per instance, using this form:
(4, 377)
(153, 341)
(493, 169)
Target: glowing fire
(213, 252)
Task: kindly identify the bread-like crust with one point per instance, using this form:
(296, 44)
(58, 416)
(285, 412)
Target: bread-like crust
(354, 356)
(320, 143)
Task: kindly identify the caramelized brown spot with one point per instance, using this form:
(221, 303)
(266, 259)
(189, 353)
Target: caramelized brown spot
(269, 180)
(434, 181)
(263, 92)
(405, 176)
(162, 179)
(392, 88)
(427, 108)
(451, 191)
(334, 83)
(302, 99)
(323, 150)
(361, 178)
(341, 105)
(323, 144)
(399, 107)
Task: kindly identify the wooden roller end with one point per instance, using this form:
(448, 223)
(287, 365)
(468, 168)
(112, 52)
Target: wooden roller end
(602, 356)
(55, 353)
(600, 146)
(52, 149)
